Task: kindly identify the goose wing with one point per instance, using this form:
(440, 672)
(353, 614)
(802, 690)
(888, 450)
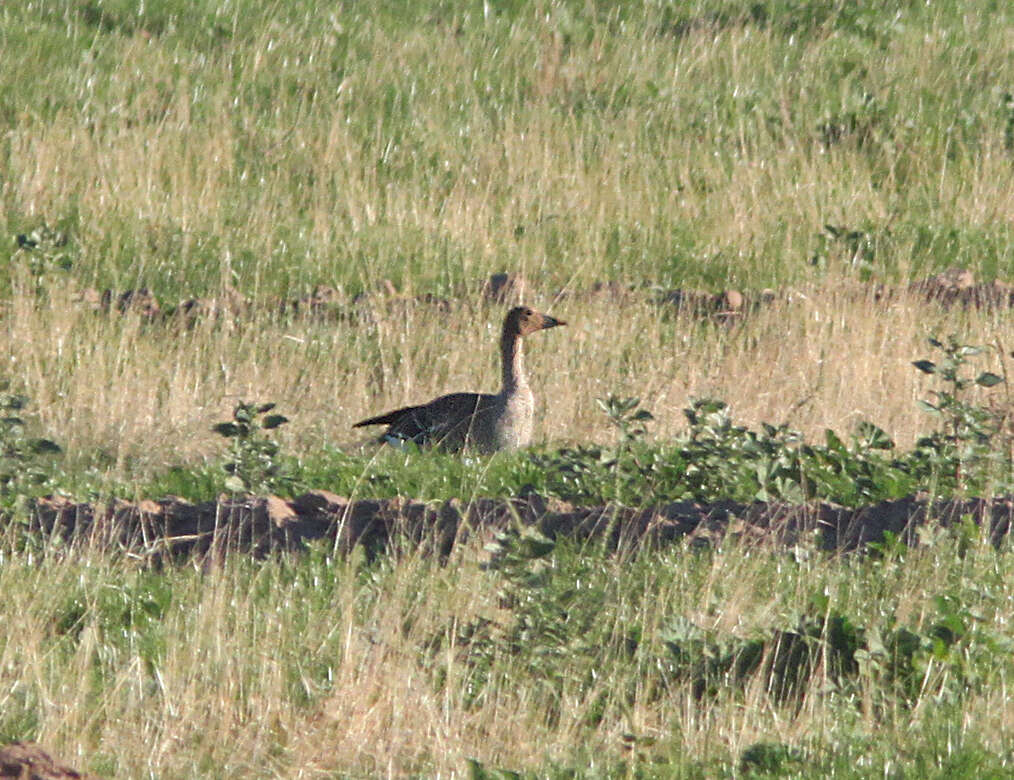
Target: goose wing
(447, 421)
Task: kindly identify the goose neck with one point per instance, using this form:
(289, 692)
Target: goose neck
(513, 362)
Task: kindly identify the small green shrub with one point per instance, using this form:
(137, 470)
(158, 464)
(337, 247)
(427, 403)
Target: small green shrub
(252, 463)
(947, 656)
(44, 250)
(772, 759)
(964, 449)
(548, 618)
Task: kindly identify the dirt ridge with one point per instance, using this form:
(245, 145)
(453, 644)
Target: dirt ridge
(955, 287)
(173, 528)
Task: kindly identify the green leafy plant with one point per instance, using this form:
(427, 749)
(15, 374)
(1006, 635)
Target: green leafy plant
(964, 447)
(589, 473)
(252, 462)
(627, 415)
(522, 559)
(843, 247)
(945, 657)
(763, 464)
(39, 255)
(547, 601)
(863, 470)
(1008, 128)
(45, 250)
(861, 121)
(628, 462)
(23, 469)
(715, 458)
(787, 658)
(771, 759)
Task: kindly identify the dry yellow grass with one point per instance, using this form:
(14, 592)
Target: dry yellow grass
(228, 676)
(145, 395)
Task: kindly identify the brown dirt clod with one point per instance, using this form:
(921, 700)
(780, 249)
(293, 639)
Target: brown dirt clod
(28, 761)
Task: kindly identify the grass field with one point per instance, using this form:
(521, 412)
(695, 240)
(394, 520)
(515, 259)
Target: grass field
(210, 148)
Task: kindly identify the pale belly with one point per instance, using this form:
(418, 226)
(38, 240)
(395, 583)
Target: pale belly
(514, 428)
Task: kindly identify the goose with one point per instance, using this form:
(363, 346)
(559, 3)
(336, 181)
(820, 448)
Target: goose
(482, 421)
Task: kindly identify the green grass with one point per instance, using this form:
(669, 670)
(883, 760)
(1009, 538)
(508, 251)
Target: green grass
(277, 148)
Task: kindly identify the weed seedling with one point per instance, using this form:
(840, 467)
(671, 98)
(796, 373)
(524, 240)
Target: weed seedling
(962, 447)
(252, 462)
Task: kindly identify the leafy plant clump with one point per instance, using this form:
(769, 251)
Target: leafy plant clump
(547, 620)
(717, 459)
(24, 469)
(45, 250)
(252, 462)
(946, 654)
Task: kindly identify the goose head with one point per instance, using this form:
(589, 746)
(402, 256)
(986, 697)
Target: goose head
(522, 320)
